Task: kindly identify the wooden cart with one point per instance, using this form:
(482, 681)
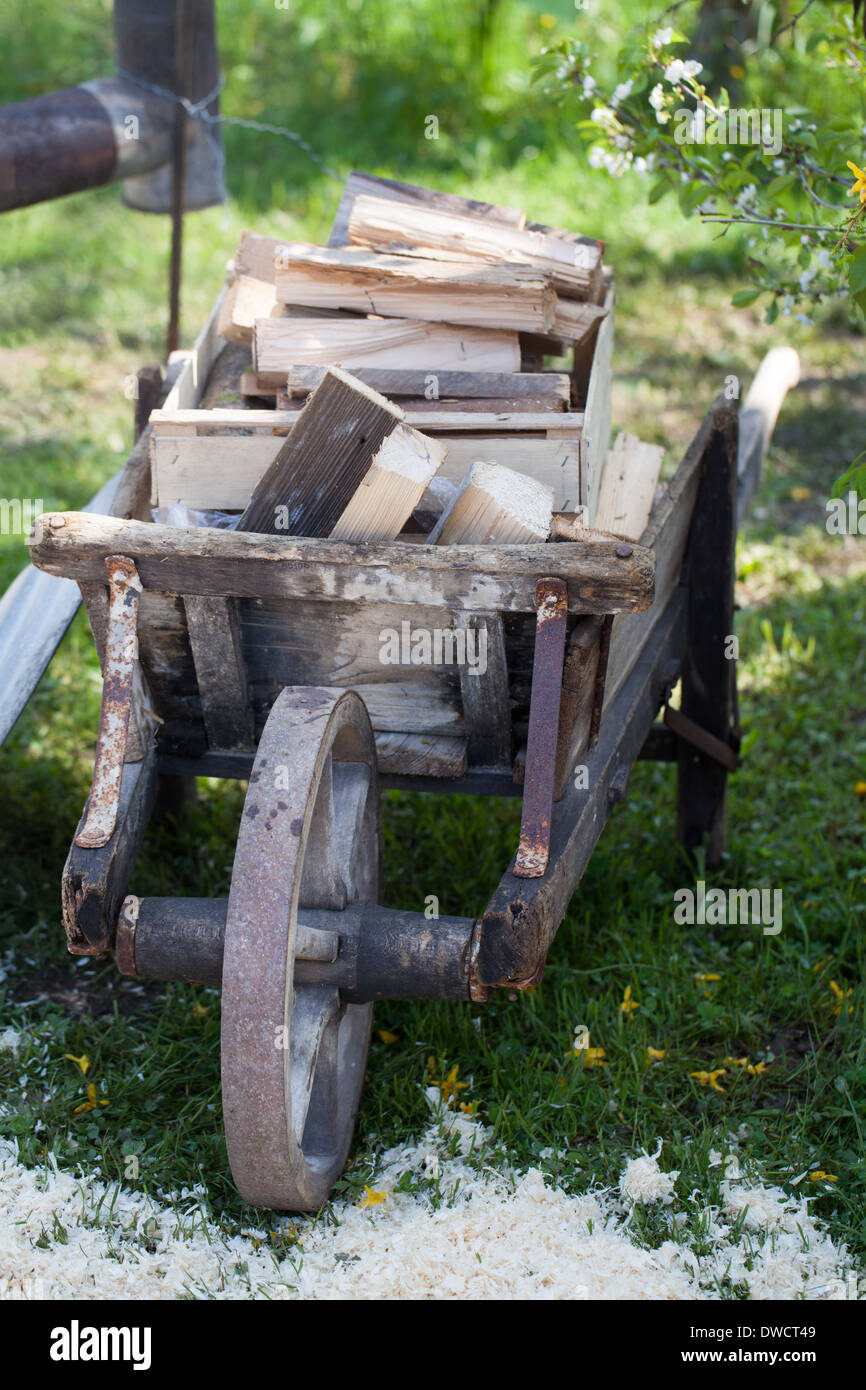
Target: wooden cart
(253, 657)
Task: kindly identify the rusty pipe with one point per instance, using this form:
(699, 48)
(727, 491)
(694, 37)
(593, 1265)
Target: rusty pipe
(120, 128)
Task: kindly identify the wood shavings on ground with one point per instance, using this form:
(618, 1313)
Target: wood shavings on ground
(439, 1221)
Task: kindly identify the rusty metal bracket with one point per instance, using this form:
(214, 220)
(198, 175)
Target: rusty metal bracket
(699, 738)
(551, 598)
(120, 655)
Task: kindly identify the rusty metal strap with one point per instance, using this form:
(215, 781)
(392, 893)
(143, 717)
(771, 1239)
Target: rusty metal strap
(699, 738)
(533, 852)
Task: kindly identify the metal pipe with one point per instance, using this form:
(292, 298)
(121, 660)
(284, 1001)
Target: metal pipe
(382, 954)
(119, 127)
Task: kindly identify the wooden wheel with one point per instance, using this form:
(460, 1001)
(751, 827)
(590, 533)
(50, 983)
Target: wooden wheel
(293, 1055)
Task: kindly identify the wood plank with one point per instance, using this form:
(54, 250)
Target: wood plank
(320, 465)
(281, 343)
(597, 411)
(628, 486)
(484, 693)
(302, 379)
(196, 362)
(403, 228)
(219, 667)
(95, 881)
(410, 755)
(201, 560)
(220, 473)
(358, 183)
(563, 424)
(495, 506)
(463, 292)
(778, 373)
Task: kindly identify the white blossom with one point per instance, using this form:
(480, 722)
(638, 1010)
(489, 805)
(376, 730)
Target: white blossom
(621, 92)
(603, 115)
(662, 37)
(679, 68)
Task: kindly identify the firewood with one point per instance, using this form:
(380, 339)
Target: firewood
(470, 292)
(332, 446)
(495, 505)
(355, 342)
(404, 229)
(392, 487)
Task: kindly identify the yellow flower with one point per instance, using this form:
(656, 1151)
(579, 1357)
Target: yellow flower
(387, 1037)
(655, 1054)
(83, 1062)
(859, 185)
(801, 494)
(547, 21)
(371, 1198)
(468, 1107)
(820, 1176)
(628, 1004)
(593, 1057)
(819, 965)
(755, 1068)
(842, 995)
(707, 979)
(736, 71)
(92, 1100)
(451, 1086)
(199, 1010)
(860, 788)
(709, 1078)
(736, 1061)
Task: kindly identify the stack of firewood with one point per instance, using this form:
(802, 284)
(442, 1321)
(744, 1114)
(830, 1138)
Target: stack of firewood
(397, 384)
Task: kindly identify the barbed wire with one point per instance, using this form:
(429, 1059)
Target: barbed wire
(197, 110)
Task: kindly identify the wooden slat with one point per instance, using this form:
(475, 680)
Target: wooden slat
(201, 560)
(355, 342)
(368, 184)
(628, 486)
(484, 694)
(597, 412)
(187, 390)
(221, 473)
(563, 424)
(410, 755)
(220, 671)
(399, 382)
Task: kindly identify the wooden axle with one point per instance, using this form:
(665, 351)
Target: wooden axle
(368, 952)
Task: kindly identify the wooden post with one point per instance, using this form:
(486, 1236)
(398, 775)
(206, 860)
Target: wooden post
(707, 685)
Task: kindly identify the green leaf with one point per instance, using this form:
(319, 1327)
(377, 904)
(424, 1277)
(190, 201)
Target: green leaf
(744, 297)
(659, 189)
(691, 195)
(857, 272)
(778, 185)
(772, 312)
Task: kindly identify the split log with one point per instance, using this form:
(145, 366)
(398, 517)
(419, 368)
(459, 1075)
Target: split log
(404, 229)
(322, 462)
(393, 486)
(465, 292)
(369, 184)
(495, 506)
(279, 344)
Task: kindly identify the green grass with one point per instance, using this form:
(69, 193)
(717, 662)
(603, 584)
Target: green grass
(83, 305)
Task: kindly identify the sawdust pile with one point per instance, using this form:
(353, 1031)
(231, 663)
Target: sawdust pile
(439, 1222)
